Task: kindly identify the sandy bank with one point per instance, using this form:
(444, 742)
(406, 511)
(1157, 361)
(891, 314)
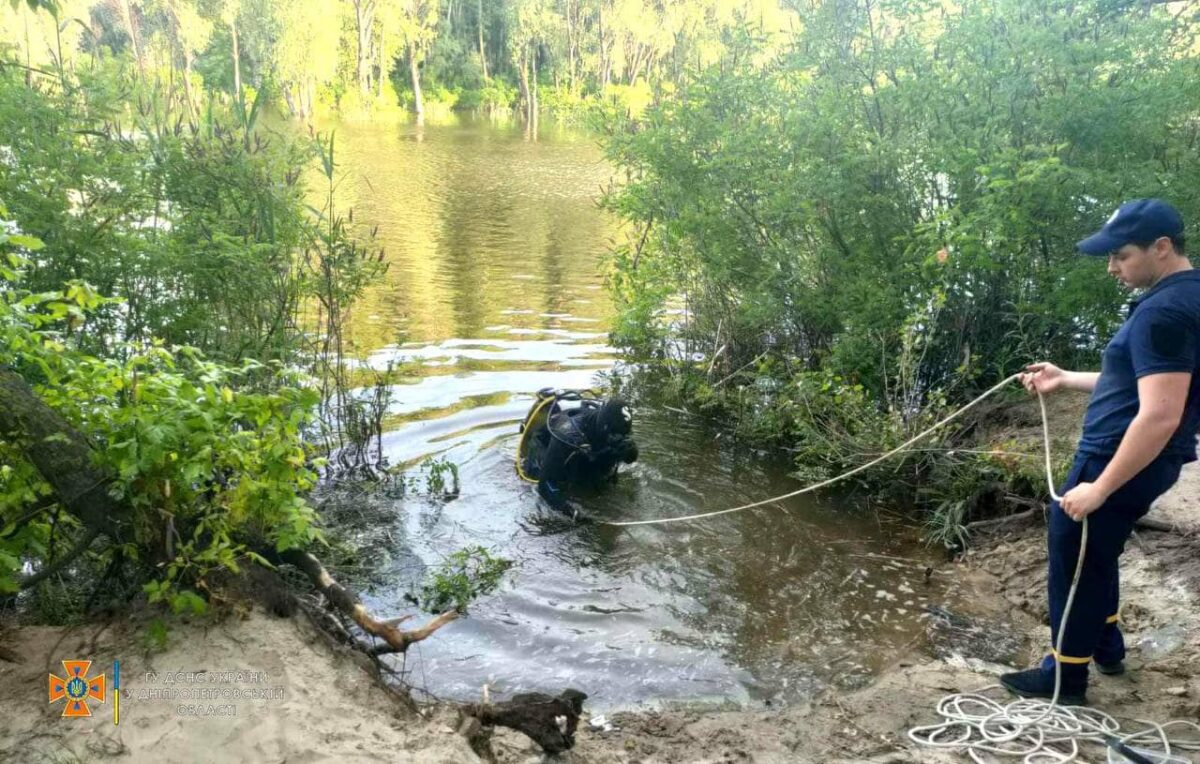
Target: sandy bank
(315, 702)
(1161, 588)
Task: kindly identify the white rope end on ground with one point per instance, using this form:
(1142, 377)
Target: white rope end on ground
(1040, 731)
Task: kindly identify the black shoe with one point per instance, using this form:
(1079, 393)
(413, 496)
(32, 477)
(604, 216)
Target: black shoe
(1039, 683)
(1111, 669)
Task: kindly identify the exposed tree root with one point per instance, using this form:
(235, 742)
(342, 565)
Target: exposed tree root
(347, 601)
(550, 721)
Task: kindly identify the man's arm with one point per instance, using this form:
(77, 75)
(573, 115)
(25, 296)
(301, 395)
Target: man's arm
(1083, 381)
(1044, 377)
(1161, 402)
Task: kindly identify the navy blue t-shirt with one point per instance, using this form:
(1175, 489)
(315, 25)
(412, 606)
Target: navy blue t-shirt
(1162, 334)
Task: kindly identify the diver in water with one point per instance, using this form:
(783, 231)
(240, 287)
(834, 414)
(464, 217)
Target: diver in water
(582, 446)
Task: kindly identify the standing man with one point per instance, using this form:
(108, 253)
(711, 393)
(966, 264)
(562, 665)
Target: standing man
(1140, 428)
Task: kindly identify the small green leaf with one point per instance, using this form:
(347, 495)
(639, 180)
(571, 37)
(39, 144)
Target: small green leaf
(31, 243)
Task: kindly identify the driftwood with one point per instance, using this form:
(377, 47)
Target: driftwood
(1150, 524)
(549, 720)
(64, 458)
(980, 525)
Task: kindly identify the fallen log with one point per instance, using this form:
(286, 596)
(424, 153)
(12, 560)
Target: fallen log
(1150, 524)
(63, 457)
(62, 563)
(347, 601)
(979, 525)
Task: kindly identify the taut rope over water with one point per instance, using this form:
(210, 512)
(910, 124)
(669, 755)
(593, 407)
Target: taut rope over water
(861, 468)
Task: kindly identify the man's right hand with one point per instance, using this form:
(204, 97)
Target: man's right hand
(1043, 377)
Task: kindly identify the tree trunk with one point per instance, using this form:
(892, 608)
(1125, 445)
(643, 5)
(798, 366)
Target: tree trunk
(482, 51)
(383, 67)
(572, 20)
(237, 61)
(26, 13)
(290, 100)
(637, 65)
(127, 19)
(60, 452)
(523, 67)
(66, 461)
(533, 109)
(63, 457)
(605, 64)
(186, 55)
(364, 19)
(415, 73)
(187, 87)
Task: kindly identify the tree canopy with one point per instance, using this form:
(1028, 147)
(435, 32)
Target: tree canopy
(353, 54)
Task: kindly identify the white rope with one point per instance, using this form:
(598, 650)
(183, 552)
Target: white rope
(1038, 731)
(1042, 731)
(832, 480)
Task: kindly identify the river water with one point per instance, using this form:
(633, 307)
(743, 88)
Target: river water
(495, 289)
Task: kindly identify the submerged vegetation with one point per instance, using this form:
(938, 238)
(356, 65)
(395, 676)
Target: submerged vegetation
(462, 578)
(836, 244)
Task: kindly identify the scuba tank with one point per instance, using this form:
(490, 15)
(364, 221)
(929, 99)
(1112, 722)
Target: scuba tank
(548, 418)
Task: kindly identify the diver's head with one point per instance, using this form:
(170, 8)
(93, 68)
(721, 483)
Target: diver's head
(615, 417)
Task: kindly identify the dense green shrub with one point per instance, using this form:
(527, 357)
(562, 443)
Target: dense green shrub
(212, 468)
(893, 203)
(166, 287)
(196, 229)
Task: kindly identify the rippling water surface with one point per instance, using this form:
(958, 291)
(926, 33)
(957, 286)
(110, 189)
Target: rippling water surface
(495, 290)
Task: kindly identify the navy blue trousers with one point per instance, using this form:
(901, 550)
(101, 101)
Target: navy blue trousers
(1092, 630)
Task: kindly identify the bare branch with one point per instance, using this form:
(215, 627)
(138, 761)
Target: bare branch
(347, 601)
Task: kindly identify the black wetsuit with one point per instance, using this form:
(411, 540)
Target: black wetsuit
(586, 446)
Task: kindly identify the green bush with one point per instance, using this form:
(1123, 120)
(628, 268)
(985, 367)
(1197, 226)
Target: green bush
(196, 229)
(564, 104)
(787, 216)
(210, 457)
(493, 96)
(881, 221)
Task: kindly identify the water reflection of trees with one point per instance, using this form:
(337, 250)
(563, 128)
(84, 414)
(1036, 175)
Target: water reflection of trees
(475, 223)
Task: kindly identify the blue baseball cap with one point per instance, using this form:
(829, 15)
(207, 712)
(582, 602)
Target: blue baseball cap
(1141, 220)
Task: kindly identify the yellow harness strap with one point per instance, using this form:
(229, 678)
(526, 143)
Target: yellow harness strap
(525, 434)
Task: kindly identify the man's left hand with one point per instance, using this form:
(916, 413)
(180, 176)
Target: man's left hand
(1083, 500)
